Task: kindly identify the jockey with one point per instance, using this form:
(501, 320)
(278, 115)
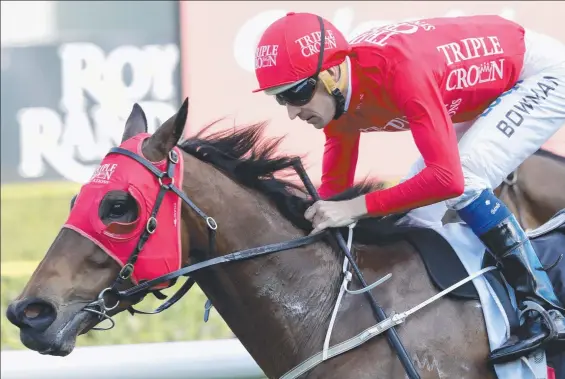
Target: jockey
(478, 94)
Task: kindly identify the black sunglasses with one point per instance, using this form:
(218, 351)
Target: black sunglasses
(300, 94)
(303, 92)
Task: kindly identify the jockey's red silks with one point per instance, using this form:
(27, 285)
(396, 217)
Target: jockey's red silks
(117, 172)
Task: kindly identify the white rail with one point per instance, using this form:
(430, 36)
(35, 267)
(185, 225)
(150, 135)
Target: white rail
(219, 359)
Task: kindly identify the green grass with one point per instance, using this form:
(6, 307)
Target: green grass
(31, 217)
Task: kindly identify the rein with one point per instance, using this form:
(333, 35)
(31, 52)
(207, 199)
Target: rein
(137, 292)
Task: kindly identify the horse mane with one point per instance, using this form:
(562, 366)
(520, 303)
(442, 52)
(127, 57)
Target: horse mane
(245, 155)
(549, 154)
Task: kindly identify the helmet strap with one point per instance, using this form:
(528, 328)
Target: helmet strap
(336, 89)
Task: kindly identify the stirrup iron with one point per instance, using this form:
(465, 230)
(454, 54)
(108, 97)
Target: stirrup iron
(547, 320)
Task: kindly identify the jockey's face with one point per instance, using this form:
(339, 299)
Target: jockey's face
(321, 109)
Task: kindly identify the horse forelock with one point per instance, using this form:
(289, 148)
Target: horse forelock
(248, 157)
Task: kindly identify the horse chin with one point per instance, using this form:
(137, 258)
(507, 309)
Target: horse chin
(59, 342)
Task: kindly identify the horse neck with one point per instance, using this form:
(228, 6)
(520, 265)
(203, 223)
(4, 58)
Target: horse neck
(273, 304)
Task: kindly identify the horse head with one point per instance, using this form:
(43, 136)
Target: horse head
(99, 246)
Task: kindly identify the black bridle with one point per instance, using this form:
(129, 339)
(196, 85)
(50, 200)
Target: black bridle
(139, 291)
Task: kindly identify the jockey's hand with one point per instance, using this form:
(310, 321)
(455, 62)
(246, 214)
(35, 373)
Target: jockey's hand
(332, 214)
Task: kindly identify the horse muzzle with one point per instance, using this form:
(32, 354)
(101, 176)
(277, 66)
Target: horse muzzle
(47, 329)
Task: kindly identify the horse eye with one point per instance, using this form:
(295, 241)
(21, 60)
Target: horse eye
(118, 209)
(118, 206)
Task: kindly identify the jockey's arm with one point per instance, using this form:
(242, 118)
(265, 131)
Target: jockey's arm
(416, 94)
(341, 151)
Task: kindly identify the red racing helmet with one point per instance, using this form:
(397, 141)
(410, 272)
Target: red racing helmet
(288, 51)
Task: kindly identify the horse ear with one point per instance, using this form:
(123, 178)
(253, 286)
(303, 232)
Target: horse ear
(135, 124)
(167, 135)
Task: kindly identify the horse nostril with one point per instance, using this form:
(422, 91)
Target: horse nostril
(36, 314)
(33, 311)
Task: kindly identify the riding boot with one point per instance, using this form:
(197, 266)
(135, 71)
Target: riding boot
(505, 239)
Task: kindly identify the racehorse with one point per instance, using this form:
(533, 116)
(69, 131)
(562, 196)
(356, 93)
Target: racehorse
(278, 305)
(534, 192)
